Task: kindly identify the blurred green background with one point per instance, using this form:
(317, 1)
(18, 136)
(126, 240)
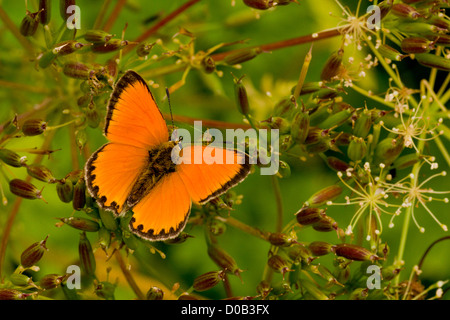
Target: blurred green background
(207, 97)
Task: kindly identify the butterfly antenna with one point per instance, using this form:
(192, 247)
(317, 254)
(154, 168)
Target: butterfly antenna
(170, 107)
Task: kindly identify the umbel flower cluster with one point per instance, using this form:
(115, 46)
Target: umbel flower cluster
(386, 155)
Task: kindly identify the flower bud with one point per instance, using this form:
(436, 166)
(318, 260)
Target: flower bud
(320, 248)
(281, 239)
(45, 9)
(336, 119)
(33, 254)
(25, 189)
(50, 281)
(388, 150)
(41, 173)
(12, 294)
(363, 124)
(97, 36)
(263, 288)
(46, 59)
(433, 61)
(417, 27)
(109, 220)
(323, 196)
(389, 273)
(405, 11)
(34, 127)
(259, 4)
(29, 24)
(332, 66)
(278, 264)
(406, 161)
(390, 53)
(359, 294)
(337, 164)
(11, 158)
(64, 189)
(130, 240)
(78, 70)
(242, 55)
(325, 224)
(223, 260)
(87, 259)
(299, 253)
(63, 8)
(105, 290)
(21, 280)
(81, 223)
(241, 96)
(300, 127)
(307, 216)
(208, 280)
(279, 123)
(79, 194)
(104, 238)
(92, 116)
(208, 64)
(111, 46)
(285, 106)
(357, 149)
(216, 227)
(354, 252)
(417, 45)
(155, 293)
(67, 47)
(314, 291)
(284, 170)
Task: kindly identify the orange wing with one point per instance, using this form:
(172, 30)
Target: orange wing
(133, 117)
(111, 172)
(213, 176)
(163, 213)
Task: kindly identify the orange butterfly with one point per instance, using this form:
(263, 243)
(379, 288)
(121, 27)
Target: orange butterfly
(135, 169)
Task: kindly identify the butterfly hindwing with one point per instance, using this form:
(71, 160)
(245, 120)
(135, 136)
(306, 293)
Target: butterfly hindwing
(133, 117)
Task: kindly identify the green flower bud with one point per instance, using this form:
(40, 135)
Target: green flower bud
(259, 4)
(208, 280)
(46, 59)
(389, 273)
(300, 127)
(320, 248)
(363, 124)
(286, 142)
(51, 281)
(79, 194)
(285, 106)
(299, 253)
(417, 27)
(332, 66)
(41, 173)
(242, 55)
(417, 45)
(406, 161)
(21, 280)
(354, 252)
(31, 255)
(104, 238)
(263, 288)
(45, 9)
(155, 293)
(78, 70)
(208, 64)
(105, 290)
(279, 123)
(34, 127)
(405, 11)
(109, 220)
(359, 294)
(388, 150)
(308, 216)
(29, 24)
(25, 189)
(11, 158)
(87, 259)
(314, 291)
(143, 49)
(433, 61)
(97, 36)
(357, 149)
(281, 239)
(111, 46)
(326, 224)
(336, 119)
(390, 53)
(64, 189)
(81, 223)
(324, 195)
(12, 294)
(223, 260)
(216, 227)
(130, 240)
(92, 116)
(278, 264)
(240, 94)
(67, 47)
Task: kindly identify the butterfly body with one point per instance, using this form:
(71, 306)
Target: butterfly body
(135, 170)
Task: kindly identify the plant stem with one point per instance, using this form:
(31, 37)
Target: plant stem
(15, 31)
(114, 15)
(129, 276)
(245, 227)
(279, 202)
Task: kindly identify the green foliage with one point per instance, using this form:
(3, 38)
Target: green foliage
(363, 121)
